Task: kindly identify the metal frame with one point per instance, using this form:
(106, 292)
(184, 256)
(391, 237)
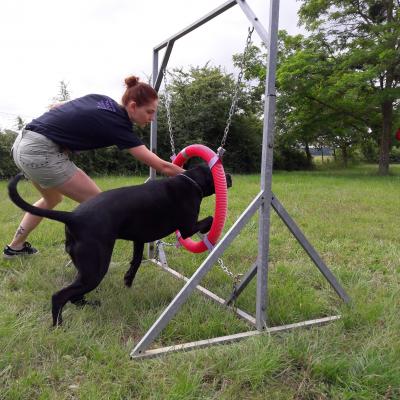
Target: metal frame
(261, 203)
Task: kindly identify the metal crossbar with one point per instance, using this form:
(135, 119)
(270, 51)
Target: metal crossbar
(207, 293)
(262, 203)
(234, 338)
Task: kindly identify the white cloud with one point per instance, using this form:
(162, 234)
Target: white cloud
(94, 44)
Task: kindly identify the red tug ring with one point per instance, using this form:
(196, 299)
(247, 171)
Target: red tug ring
(221, 196)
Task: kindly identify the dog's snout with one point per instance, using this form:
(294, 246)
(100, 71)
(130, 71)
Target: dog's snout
(228, 180)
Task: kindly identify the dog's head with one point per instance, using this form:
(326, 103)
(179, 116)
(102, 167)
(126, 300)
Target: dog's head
(203, 177)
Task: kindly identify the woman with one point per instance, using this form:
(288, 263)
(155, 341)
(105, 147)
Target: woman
(90, 122)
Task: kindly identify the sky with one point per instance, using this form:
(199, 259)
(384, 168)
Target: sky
(92, 45)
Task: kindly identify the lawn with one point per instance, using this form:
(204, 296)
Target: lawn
(351, 218)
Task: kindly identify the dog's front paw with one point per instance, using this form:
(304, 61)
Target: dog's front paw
(82, 302)
(57, 319)
(205, 225)
(128, 279)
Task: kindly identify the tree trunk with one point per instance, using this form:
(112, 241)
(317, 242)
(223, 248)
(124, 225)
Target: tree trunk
(387, 105)
(308, 153)
(345, 155)
(384, 148)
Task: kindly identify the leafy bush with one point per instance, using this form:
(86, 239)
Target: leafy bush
(394, 155)
(7, 166)
(369, 150)
(291, 159)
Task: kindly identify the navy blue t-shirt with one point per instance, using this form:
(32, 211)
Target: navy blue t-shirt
(90, 122)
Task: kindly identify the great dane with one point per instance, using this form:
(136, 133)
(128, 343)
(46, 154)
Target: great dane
(142, 214)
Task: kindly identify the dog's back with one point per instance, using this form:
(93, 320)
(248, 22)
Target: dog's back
(144, 212)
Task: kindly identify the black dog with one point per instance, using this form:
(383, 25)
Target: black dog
(143, 213)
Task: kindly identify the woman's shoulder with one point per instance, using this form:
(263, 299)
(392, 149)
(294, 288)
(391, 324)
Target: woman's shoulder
(99, 101)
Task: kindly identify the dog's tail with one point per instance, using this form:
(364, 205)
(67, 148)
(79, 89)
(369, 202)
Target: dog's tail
(62, 216)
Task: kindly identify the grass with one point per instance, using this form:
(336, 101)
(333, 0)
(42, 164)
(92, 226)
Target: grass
(350, 217)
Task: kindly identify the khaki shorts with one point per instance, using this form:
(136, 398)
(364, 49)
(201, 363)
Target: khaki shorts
(42, 160)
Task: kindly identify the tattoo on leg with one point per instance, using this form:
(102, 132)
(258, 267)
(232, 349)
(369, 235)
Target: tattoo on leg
(20, 231)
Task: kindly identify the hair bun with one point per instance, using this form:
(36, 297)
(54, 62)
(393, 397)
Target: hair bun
(131, 81)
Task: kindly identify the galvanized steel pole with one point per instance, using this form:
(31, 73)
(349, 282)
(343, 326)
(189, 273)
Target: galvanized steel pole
(266, 168)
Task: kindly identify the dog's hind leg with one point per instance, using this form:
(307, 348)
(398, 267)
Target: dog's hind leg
(135, 263)
(92, 261)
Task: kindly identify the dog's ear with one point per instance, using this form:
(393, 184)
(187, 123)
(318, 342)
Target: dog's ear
(228, 180)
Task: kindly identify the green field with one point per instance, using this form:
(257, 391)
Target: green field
(350, 216)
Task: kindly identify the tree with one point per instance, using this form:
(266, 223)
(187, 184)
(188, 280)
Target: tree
(63, 93)
(322, 95)
(364, 38)
(308, 79)
(19, 123)
(300, 119)
(200, 102)
(7, 166)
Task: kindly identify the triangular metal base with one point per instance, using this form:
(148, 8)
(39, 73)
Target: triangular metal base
(232, 338)
(141, 349)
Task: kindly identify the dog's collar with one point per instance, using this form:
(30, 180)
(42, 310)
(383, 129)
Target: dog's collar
(194, 183)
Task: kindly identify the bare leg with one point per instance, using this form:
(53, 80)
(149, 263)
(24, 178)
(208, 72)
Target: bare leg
(50, 199)
(79, 187)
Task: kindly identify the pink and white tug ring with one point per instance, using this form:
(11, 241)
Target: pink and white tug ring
(221, 196)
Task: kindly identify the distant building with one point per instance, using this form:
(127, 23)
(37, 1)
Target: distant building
(326, 151)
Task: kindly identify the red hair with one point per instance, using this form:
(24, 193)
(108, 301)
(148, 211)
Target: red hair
(141, 93)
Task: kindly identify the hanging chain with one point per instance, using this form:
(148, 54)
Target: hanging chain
(168, 110)
(232, 109)
(235, 280)
(157, 250)
(237, 87)
(235, 277)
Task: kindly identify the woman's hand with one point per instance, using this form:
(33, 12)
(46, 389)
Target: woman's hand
(144, 155)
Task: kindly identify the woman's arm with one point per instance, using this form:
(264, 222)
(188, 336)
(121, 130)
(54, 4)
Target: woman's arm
(144, 155)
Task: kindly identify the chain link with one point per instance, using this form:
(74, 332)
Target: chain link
(168, 110)
(225, 268)
(157, 250)
(235, 277)
(237, 87)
